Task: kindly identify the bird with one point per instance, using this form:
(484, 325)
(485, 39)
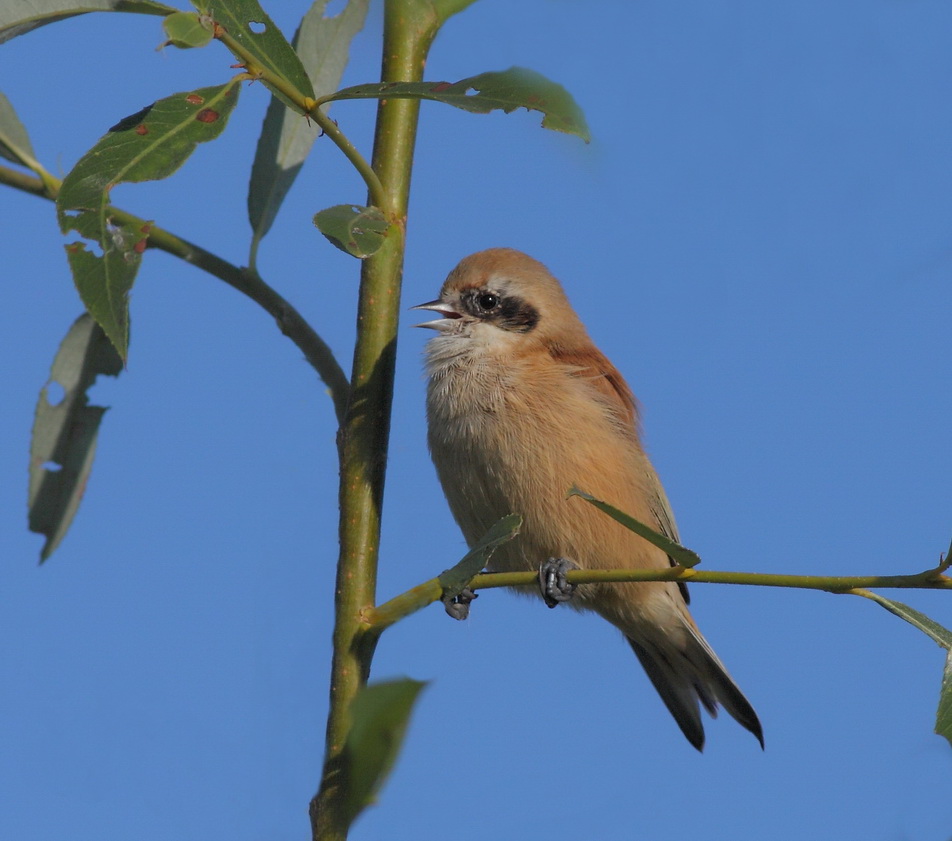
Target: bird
(521, 406)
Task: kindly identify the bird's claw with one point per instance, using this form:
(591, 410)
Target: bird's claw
(555, 587)
(458, 606)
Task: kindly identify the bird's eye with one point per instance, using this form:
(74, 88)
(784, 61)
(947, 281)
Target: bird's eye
(487, 301)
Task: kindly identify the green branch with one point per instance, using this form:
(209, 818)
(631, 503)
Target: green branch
(408, 31)
(377, 619)
(249, 283)
(930, 580)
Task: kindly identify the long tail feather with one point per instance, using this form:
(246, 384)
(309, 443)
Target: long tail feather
(684, 677)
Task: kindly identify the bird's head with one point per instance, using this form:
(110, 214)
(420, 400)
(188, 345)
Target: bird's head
(504, 297)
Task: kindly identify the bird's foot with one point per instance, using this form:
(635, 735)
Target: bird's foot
(458, 606)
(555, 587)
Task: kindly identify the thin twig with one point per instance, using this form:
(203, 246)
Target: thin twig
(246, 281)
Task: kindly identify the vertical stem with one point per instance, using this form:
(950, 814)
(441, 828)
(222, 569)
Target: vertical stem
(409, 29)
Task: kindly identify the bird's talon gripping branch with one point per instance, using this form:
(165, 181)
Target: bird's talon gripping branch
(458, 606)
(555, 587)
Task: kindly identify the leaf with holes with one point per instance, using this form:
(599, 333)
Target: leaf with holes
(379, 717)
(258, 36)
(18, 18)
(104, 279)
(357, 230)
(14, 141)
(286, 137)
(507, 90)
(186, 31)
(64, 433)
(148, 145)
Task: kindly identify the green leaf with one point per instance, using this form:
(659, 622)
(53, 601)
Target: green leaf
(148, 145)
(185, 30)
(359, 231)
(379, 717)
(248, 24)
(14, 141)
(507, 90)
(682, 555)
(18, 18)
(943, 718)
(286, 137)
(931, 628)
(940, 635)
(455, 580)
(64, 435)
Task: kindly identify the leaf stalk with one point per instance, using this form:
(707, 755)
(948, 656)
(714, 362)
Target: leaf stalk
(311, 109)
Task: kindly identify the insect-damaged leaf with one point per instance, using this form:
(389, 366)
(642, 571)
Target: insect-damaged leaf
(357, 230)
(379, 717)
(508, 90)
(104, 280)
(248, 24)
(148, 145)
(64, 433)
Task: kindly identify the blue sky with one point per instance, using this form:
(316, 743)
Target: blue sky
(759, 236)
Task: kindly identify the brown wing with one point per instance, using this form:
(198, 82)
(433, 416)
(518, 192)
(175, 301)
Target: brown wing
(594, 365)
(661, 508)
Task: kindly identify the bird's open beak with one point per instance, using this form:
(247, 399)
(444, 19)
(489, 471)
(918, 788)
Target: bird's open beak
(445, 310)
